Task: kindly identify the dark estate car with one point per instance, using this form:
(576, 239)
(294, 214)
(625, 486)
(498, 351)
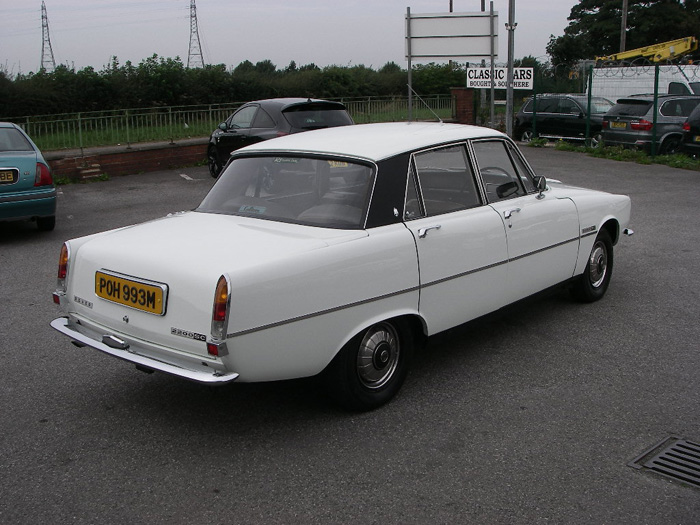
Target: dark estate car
(26, 186)
(266, 119)
(691, 133)
(561, 116)
(630, 122)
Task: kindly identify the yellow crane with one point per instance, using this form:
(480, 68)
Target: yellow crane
(657, 52)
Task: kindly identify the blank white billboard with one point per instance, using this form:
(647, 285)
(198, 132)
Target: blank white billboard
(450, 36)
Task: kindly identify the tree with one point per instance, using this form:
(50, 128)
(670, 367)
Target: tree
(594, 27)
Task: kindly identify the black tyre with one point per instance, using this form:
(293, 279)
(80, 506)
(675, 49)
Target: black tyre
(670, 146)
(370, 369)
(526, 135)
(46, 224)
(592, 284)
(213, 162)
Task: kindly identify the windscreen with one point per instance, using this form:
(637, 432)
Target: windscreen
(316, 116)
(314, 191)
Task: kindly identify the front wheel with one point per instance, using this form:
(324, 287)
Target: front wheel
(370, 369)
(592, 284)
(213, 162)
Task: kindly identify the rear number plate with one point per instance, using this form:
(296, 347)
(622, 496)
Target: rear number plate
(696, 138)
(8, 176)
(140, 294)
(618, 125)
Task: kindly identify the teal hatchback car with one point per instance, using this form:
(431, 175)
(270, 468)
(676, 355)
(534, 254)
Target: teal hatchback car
(27, 191)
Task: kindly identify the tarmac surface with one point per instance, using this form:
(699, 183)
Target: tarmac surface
(530, 415)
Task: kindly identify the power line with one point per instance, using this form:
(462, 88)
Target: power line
(48, 63)
(194, 57)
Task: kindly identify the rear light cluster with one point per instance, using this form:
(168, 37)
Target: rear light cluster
(606, 124)
(63, 259)
(686, 126)
(43, 175)
(219, 317)
(641, 125)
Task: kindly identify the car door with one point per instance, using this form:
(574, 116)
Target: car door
(572, 120)
(460, 241)
(237, 132)
(542, 230)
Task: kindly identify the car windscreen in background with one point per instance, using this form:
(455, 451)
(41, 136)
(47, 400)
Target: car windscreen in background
(316, 116)
(630, 108)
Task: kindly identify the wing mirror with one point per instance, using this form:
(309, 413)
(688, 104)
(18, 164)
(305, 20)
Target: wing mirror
(223, 126)
(540, 185)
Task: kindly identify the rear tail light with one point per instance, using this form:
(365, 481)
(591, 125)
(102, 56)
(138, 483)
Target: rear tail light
(641, 125)
(686, 126)
(63, 259)
(282, 133)
(43, 175)
(605, 124)
(220, 311)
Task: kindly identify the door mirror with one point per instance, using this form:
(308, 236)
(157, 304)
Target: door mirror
(223, 126)
(540, 185)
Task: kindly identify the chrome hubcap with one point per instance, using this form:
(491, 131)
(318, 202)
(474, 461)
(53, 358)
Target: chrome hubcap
(598, 264)
(378, 355)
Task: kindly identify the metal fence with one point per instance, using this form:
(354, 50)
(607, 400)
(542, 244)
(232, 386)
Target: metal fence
(567, 115)
(129, 126)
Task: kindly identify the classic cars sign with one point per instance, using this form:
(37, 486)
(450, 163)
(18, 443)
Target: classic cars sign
(480, 77)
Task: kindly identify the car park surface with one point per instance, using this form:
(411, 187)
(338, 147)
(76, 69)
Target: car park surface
(527, 416)
(561, 116)
(404, 203)
(265, 119)
(630, 122)
(27, 191)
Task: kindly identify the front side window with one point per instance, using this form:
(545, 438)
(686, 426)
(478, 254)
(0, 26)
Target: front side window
(313, 191)
(446, 182)
(243, 117)
(498, 171)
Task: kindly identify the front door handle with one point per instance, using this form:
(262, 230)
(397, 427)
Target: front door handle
(509, 213)
(422, 232)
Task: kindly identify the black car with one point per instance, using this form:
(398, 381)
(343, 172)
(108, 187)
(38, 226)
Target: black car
(266, 119)
(561, 116)
(691, 133)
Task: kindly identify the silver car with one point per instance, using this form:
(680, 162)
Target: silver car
(630, 122)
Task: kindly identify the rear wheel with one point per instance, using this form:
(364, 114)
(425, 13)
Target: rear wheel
(46, 224)
(370, 369)
(526, 135)
(670, 146)
(592, 284)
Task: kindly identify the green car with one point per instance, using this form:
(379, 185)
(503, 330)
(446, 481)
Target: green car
(27, 191)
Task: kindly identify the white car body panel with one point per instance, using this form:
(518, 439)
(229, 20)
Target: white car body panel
(299, 293)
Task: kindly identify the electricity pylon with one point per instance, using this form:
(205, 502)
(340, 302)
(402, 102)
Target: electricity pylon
(194, 57)
(47, 61)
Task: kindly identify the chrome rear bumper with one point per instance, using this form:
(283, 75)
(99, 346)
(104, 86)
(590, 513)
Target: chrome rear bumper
(187, 368)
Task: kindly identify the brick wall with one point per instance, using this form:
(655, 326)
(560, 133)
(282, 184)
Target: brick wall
(122, 160)
(464, 105)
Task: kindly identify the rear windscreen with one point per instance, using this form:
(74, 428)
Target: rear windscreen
(13, 140)
(315, 116)
(631, 108)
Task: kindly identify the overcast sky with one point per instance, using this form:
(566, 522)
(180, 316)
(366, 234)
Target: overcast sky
(343, 32)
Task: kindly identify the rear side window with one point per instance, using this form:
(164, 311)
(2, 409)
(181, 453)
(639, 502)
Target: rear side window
(263, 120)
(13, 140)
(678, 108)
(315, 116)
(631, 108)
(446, 183)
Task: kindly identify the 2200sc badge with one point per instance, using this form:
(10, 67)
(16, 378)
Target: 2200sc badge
(336, 252)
